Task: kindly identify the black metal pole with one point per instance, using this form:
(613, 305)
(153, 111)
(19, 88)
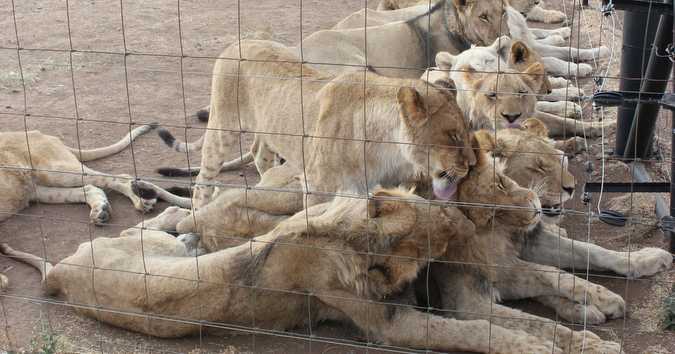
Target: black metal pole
(634, 58)
(639, 142)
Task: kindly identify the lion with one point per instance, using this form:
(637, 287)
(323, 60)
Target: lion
(40, 168)
(513, 54)
(469, 283)
(402, 111)
(530, 161)
(350, 260)
(495, 100)
(447, 25)
(536, 11)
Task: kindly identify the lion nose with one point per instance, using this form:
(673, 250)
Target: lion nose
(549, 91)
(511, 117)
(536, 2)
(569, 190)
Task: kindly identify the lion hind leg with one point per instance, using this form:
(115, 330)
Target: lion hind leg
(217, 145)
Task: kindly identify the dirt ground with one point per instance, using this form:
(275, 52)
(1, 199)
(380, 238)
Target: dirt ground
(93, 66)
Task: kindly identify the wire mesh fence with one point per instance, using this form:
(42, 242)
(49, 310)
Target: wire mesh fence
(337, 278)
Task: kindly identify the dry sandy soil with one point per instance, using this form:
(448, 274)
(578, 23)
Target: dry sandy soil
(93, 66)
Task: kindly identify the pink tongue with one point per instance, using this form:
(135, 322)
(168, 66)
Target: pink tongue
(515, 126)
(447, 192)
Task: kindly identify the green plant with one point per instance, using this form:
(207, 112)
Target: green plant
(46, 343)
(667, 316)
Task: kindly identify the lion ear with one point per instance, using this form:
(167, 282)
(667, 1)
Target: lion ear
(501, 47)
(481, 155)
(378, 207)
(536, 127)
(537, 72)
(413, 107)
(520, 52)
(445, 60)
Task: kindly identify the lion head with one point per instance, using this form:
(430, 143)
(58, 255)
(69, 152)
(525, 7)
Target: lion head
(503, 53)
(493, 100)
(531, 161)
(483, 20)
(487, 193)
(439, 135)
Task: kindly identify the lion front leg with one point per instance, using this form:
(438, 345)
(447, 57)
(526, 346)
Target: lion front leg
(572, 311)
(91, 195)
(460, 295)
(560, 126)
(528, 280)
(402, 325)
(556, 250)
(560, 108)
(540, 14)
(559, 67)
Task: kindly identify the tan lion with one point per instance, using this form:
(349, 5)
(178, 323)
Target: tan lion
(405, 48)
(529, 159)
(60, 177)
(350, 260)
(400, 115)
(470, 284)
(495, 100)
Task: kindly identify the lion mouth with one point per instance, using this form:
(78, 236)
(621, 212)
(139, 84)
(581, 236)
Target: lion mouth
(447, 189)
(551, 210)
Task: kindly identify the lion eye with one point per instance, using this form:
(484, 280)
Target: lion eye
(521, 94)
(483, 17)
(542, 169)
(454, 137)
(491, 95)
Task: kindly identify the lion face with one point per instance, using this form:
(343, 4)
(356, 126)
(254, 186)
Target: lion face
(439, 136)
(489, 193)
(532, 162)
(493, 100)
(483, 20)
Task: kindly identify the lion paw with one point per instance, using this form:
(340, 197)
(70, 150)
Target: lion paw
(145, 205)
(575, 145)
(583, 69)
(100, 212)
(580, 313)
(648, 261)
(587, 342)
(609, 303)
(523, 342)
(173, 215)
(564, 32)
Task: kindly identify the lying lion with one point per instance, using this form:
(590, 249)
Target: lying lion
(470, 284)
(58, 175)
(408, 124)
(405, 48)
(530, 160)
(362, 257)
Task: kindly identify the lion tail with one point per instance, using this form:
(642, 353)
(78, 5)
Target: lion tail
(93, 154)
(40, 263)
